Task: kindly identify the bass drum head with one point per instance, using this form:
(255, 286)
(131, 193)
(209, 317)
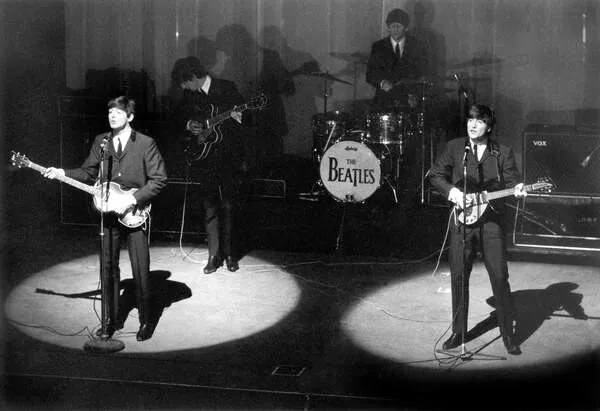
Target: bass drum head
(350, 171)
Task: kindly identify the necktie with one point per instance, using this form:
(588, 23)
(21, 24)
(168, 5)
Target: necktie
(397, 51)
(119, 148)
(475, 152)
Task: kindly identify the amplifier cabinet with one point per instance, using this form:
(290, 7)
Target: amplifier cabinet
(560, 222)
(569, 157)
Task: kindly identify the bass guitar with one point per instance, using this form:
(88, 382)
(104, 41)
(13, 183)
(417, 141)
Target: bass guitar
(477, 202)
(201, 142)
(112, 192)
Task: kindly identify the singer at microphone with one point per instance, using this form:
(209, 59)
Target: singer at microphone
(485, 229)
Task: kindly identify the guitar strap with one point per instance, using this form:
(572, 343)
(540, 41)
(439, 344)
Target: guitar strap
(494, 148)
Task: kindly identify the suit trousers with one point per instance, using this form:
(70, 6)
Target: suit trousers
(488, 237)
(219, 215)
(139, 256)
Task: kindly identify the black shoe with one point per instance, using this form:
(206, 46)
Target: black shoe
(145, 332)
(232, 264)
(213, 263)
(454, 341)
(511, 347)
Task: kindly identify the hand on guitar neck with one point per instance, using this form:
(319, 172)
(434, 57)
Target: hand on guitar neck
(477, 202)
(205, 133)
(108, 197)
(120, 204)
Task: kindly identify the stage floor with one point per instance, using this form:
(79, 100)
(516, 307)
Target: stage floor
(299, 330)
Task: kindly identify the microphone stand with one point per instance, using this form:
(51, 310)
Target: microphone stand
(464, 247)
(104, 343)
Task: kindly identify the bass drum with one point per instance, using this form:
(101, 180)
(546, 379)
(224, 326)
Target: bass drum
(350, 171)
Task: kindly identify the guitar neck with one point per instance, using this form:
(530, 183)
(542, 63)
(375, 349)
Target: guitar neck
(507, 192)
(68, 180)
(225, 115)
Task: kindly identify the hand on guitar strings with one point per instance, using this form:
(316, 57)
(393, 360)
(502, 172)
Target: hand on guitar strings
(195, 127)
(456, 196)
(124, 203)
(237, 116)
(53, 173)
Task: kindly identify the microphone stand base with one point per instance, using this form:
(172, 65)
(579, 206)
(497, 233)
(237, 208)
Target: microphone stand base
(103, 346)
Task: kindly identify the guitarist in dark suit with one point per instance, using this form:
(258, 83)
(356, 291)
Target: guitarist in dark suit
(132, 160)
(218, 172)
(394, 58)
(490, 166)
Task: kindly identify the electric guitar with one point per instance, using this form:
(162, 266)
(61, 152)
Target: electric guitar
(477, 202)
(112, 193)
(201, 143)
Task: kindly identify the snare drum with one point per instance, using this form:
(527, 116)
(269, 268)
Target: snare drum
(388, 128)
(350, 171)
(329, 127)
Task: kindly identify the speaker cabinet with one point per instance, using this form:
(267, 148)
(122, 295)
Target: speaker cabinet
(571, 158)
(179, 202)
(562, 222)
(80, 120)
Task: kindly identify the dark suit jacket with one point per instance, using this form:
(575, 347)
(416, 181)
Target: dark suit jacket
(496, 170)
(383, 65)
(226, 156)
(140, 166)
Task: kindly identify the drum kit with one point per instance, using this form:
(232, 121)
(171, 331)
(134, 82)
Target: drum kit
(359, 153)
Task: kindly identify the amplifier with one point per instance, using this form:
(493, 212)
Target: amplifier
(571, 158)
(560, 222)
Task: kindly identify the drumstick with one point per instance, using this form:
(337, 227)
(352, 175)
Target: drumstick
(329, 138)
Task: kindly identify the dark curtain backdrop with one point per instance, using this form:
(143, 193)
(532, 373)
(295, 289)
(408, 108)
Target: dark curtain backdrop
(543, 55)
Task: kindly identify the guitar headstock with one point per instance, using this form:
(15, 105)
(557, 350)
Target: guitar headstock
(19, 160)
(543, 185)
(259, 102)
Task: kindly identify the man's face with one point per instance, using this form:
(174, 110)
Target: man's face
(194, 84)
(187, 85)
(397, 31)
(117, 118)
(477, 129)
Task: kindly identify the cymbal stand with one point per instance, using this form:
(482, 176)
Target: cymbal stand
(325, 93)
(355, 88)
(421, 131)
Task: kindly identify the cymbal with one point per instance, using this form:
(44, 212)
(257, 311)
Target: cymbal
(475, 61)
(327, 76)
(357, 57)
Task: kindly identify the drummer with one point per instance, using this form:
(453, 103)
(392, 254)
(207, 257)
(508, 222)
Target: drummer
(394, 63)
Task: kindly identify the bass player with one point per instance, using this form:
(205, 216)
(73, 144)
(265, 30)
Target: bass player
(132, 160)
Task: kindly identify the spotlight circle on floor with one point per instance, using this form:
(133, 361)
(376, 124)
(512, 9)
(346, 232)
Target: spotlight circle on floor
(57, 302)
(405, 321)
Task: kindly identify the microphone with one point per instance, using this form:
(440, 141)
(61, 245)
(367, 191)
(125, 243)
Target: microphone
(104, 142)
